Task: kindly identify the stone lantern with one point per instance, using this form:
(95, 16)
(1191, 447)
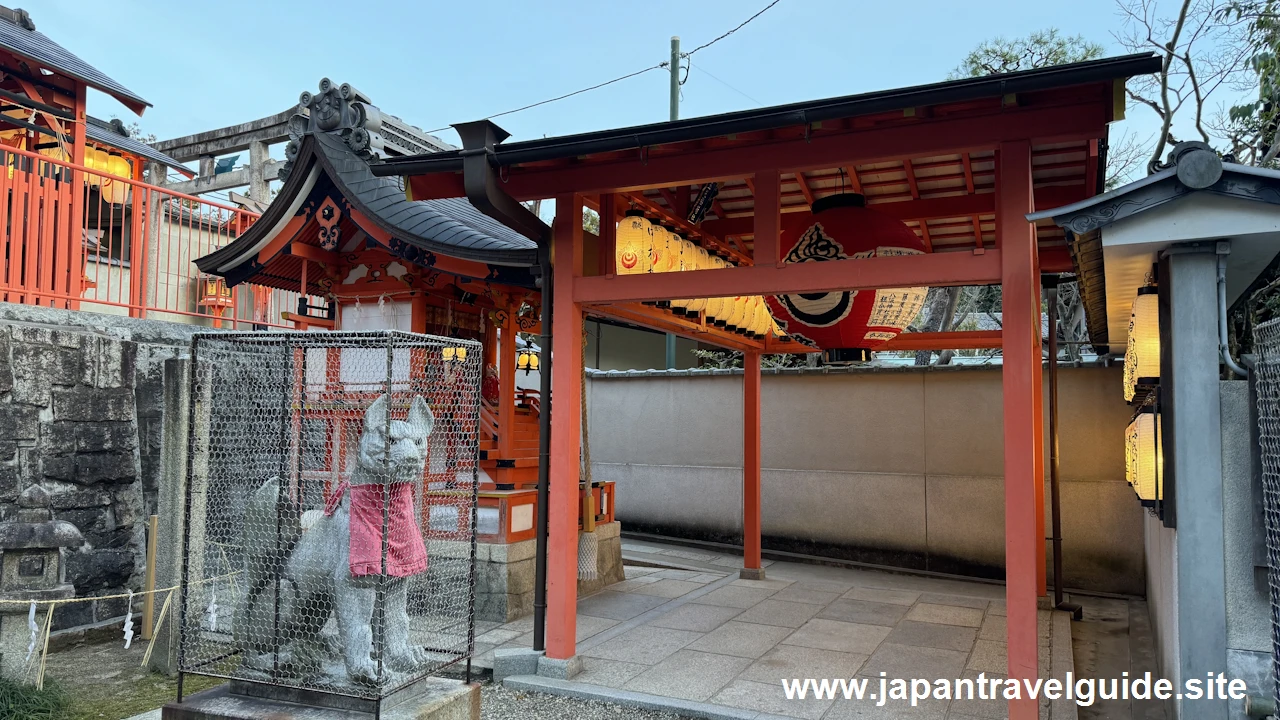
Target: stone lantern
(31, 569)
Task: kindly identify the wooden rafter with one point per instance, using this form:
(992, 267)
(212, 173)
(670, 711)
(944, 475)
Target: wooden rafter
(854, 180)
(977, 232)
(804, 188)
(911, 179)
(968, 172)
(924, 235)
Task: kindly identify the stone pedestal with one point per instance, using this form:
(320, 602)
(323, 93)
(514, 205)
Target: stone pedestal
(505, 574)
(31, 568)
(428, 699)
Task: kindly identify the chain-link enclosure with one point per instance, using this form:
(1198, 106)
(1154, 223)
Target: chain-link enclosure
(1266, 338)
(329, 542)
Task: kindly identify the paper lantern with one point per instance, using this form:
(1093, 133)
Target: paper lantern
(1142, 354)
(718, 308)
(453, 353)
(527, 361)
(659, 248)
(634, 241)
(848, 325)
(116, 191)
(693, 257)
(97, 161)
(1144, 456)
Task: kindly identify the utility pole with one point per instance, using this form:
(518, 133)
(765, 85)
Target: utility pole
(675, 115)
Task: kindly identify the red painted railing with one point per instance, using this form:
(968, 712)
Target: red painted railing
(128, 249)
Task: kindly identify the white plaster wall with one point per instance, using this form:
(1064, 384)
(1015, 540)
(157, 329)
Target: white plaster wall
(899, 467)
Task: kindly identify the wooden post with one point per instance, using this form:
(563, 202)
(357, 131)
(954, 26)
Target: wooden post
(751, 569)
(1037, 382)
(507, 384)
(608, 248)
(1021, 340)
(566, 386)
(78, 193)
(149, 601)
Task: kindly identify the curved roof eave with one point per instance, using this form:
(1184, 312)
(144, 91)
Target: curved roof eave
(451, 228)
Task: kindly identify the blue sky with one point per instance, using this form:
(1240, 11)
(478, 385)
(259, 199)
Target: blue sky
(206, 65)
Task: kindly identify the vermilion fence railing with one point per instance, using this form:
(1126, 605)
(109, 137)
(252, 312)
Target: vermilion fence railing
(128, 251)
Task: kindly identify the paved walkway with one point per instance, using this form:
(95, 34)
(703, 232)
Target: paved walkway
(701, 635)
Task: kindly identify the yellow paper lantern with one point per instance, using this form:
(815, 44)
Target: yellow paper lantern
(717, 308)
(116, 191)
(633, 243)
(1142, 354)
(1144, 456)
(693, 257)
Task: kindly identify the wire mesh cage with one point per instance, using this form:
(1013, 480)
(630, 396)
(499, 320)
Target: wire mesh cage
(329, 542)
(1266, 339)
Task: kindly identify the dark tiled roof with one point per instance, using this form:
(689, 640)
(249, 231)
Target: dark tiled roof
(36, 46)
(100, 131)
(453, 228)
(450, 227)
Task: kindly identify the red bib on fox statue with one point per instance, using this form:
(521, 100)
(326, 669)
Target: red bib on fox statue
(847, 325)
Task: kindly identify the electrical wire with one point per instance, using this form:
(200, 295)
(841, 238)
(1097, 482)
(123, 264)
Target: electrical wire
(659, 66)
(722, 82)
(568, 95)
(740, 26)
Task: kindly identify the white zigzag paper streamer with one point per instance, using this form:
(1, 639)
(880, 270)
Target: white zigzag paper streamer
(212, 612)
(128, 623)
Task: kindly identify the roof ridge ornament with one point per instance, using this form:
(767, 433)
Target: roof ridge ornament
(1198, 164)
(347, 112)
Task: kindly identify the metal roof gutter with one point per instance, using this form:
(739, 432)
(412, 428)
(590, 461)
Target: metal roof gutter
(783, 115)
(479, 179)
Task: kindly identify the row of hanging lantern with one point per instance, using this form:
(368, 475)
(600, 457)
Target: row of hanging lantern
(106, 168)
(1144, 450)
(646, 247)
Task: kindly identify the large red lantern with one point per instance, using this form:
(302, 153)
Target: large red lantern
(848, 325)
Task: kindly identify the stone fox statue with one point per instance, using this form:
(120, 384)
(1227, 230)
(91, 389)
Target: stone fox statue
(336, 566)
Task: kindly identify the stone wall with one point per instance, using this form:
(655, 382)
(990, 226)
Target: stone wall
(81, 405)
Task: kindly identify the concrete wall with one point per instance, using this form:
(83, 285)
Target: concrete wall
(610, 347)
(897, 466)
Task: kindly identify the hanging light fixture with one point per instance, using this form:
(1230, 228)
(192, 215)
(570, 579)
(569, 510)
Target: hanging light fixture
(527, 361)
(848, 325)
(1144, 456)
(634, 242)
(693, 257)
(681, 259)
(449, 353)
(1142, 353)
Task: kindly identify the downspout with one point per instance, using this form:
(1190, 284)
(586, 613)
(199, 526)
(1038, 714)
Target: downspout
(1223, 250)
(1050, 284)
(483, 192)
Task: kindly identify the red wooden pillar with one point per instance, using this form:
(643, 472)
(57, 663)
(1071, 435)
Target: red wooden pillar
(751, 569)
(1021, 347)
(507, 384)
(608, 248)
(566, 432)
(768, 217)
(1038, 382)
(79, 219)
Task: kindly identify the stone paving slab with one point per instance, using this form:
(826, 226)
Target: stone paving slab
(695, 639)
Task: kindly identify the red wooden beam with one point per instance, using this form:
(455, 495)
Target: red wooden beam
(670, 197)
(911, 178)
(637, 171)
(854, 180)
(607, 249)
(977, 233)
(933, 269)
(663, 321)
(963, 340)
(804, 188)
(968, 172)
(924, 235)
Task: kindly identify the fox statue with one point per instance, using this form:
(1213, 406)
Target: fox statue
(335, 567)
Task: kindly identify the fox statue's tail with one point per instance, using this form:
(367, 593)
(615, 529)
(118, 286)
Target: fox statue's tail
(272, 526)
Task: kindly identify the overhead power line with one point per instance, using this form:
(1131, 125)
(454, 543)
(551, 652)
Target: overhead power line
(659, 66)
(740, 26)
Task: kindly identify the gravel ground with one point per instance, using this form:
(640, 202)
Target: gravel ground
(499, 703)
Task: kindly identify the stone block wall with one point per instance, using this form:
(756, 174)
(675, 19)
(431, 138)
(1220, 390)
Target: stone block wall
(80, 416)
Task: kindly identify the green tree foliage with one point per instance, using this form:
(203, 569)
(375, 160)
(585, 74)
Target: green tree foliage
(1253, 125)
(1043, 48)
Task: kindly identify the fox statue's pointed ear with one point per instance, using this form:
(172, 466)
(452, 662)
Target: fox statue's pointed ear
(420, 416)
(376, 415)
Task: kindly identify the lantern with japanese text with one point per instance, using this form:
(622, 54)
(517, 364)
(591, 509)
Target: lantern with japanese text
(849, 324)
(634, 243)
(1142, 356)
